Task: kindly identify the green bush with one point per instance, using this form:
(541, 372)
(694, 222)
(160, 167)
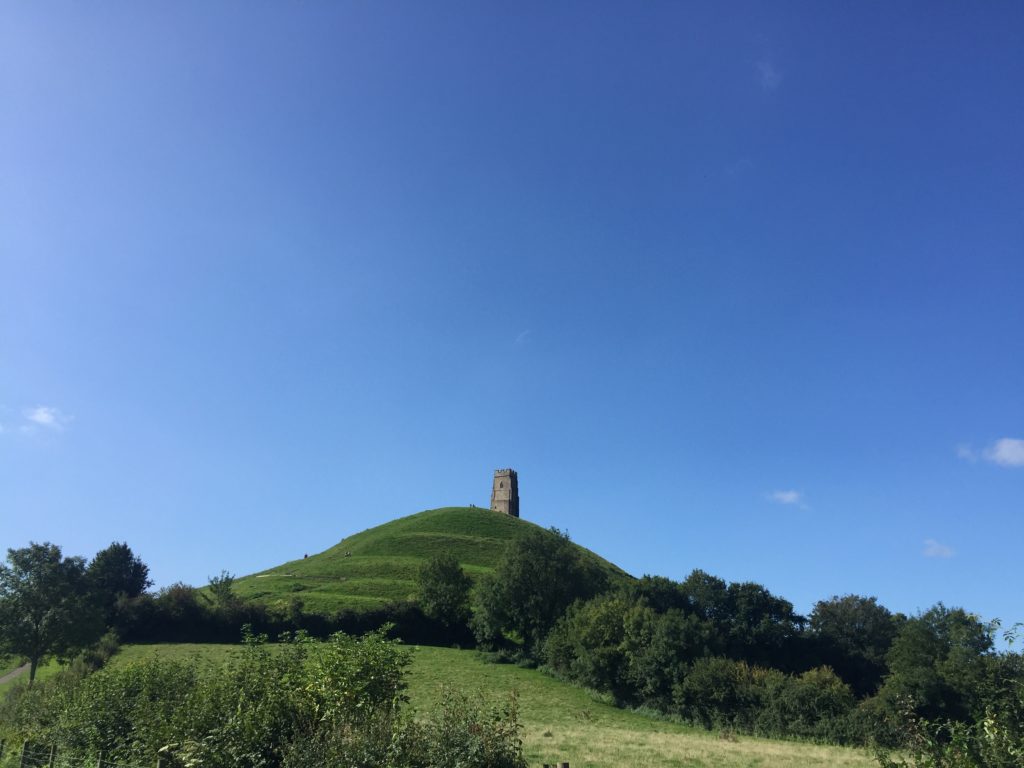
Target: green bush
(718, 693)
(585, 646)
(721, 693)
(814, 705)
(337, 702)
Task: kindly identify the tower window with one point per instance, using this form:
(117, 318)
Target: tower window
(501, 484)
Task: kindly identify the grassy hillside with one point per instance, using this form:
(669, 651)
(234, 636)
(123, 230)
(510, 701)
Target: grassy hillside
(45, 672)
(562, 722)
(379, 565)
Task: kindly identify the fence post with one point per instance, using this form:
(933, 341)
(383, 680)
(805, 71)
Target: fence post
(21, 759)
(53, 753)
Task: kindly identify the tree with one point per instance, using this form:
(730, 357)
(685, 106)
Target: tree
(444, 591)
(854, 633)
(940, 661)
(585, 645)
(658, 647)
(45, 605)
(222, 591)
(116, 571)
(764, 627)
(539, 576)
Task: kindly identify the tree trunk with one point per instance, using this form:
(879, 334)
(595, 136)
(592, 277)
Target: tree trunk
(32, 670)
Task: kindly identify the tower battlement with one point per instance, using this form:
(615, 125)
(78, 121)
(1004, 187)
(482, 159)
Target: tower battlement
(505, 492)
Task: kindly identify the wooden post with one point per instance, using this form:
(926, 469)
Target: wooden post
(53, 752)
(159, 762)
(21, 760)
(99, 760)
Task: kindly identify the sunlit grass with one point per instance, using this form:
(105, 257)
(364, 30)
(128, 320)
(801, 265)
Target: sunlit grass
(45, 671)
(565, 723)
(370, 569)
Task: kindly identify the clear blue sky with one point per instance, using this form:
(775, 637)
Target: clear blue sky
(734, 287)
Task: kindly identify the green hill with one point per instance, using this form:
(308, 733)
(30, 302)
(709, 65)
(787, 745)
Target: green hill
(380, 565)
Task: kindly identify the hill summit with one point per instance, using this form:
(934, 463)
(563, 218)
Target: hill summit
(380, 565)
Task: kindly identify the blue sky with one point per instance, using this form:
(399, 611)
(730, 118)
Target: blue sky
(734, 287)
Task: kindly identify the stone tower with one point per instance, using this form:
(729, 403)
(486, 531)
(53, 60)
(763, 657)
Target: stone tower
(505, 494)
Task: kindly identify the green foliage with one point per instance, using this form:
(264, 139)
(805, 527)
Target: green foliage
(940, 662)
(815, 705)
(537, 579)
(303, 702)
(994, 738)
(465, 732)
(560, 721)
(586, 644)
(717, 693)
(221, 590)
(45, 605)
(722, 693)
(854, 634)
(761, 627)
(116, 571)
(691, 648)
(658, 649)
(444, 591)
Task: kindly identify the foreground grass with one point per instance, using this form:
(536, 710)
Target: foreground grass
(565, 723)
(45, 671)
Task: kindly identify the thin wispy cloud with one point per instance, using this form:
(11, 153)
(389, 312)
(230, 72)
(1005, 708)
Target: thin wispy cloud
(522, 338)
(789, 498)
(768, 75)
(738, 167)
(933, 548)
(785, 497)
(1006, 452)
(966, 452)
(43, 417)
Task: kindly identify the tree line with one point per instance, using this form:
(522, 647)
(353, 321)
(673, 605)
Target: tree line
(52, 605)
(735, 656)
(723, 655)
(56, 605)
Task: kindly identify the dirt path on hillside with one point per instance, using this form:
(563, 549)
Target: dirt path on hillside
(11, 675)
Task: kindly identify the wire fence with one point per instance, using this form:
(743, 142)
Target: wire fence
(43, 756)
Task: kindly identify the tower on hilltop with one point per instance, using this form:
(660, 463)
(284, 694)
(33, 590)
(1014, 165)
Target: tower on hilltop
(505, 493)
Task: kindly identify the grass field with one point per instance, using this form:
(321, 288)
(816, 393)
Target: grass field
(380, 565)
(565, 723)
(45, 671)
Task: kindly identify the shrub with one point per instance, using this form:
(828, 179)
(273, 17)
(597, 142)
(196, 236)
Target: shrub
(717, 693)
(444, 591)
(337, 702)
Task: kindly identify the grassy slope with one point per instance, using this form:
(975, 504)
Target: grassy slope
(46, 670)
(384, 561)
(583, 731)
